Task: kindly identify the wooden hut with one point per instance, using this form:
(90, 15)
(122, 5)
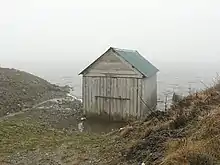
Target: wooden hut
(120, 84)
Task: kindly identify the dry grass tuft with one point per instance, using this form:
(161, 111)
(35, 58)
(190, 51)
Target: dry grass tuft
(202, 146)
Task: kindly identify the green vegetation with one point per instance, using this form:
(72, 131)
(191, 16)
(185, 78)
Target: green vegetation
(24, 136)
(188, 134)
(20, 90)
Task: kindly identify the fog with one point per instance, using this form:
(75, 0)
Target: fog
(54, 38)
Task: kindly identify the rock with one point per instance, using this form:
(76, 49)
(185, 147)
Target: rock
(125, 131)
(176, 98)
(19, 88)
(83, 118)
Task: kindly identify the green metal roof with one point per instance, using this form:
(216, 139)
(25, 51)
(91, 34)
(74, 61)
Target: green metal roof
(134, 59)
(137, 61)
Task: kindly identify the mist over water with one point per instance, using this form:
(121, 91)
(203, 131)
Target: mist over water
(180, 77)
(57, 39)
(185, 78)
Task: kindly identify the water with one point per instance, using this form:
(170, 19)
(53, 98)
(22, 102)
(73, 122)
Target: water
(97, 125)
(176, 77)
(185, 78)
(181, 78)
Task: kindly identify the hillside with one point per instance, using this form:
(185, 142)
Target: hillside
(188, 134)
(20, 90)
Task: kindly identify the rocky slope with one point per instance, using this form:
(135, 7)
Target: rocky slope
(188, 134)
(20, 90)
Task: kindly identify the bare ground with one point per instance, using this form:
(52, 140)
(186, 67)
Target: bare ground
(188, 134)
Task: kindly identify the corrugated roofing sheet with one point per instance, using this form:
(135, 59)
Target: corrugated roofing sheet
(137, 61)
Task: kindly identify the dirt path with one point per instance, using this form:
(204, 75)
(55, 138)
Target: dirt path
(25, 110)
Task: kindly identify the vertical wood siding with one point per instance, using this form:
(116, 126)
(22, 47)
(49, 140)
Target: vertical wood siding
(150, 92)
(110, 63)
(114, 88)
(112, 96)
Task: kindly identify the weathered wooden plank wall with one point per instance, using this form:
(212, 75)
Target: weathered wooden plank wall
(150, 92)
(113, 87)
(110, 63)
(112, 96)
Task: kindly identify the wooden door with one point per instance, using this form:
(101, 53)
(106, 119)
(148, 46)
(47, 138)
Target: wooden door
(114, 100)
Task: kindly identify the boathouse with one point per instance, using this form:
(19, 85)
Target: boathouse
(119, 84)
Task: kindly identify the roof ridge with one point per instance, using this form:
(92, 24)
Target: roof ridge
(134, 58)
(126, 50)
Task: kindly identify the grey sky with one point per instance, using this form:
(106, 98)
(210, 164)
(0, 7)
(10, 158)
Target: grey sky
(63, 30)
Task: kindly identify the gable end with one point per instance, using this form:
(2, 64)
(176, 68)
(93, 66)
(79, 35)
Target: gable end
(110, 63)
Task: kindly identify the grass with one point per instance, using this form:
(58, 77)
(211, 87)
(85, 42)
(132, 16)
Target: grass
(188, 135)
(201, 146)
(22, 136)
